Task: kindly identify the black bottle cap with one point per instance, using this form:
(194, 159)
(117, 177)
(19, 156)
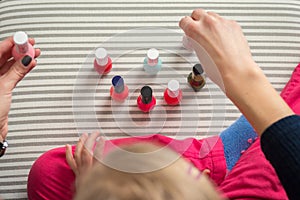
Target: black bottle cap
(118, 83)
(197, 69)
(146, 93)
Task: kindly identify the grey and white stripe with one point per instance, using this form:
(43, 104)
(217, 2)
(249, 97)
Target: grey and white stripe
(67, 31)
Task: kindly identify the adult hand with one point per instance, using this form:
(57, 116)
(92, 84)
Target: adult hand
(225, 43)
(230, 65)
(11, 72)
(87, 148)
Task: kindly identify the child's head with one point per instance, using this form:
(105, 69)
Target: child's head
(177, 181)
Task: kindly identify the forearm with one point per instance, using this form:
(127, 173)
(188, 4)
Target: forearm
(255, 98)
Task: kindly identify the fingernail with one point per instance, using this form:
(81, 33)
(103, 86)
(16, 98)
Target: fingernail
(26, 60)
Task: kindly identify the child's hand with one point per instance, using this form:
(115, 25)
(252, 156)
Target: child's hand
(87, 148)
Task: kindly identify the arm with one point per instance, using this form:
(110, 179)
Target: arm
(248, 88)
(233, 68)
(11, 72)
(281, 146)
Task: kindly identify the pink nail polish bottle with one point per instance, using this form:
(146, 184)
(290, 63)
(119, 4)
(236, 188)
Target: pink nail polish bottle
(102, 62)
(118, 90)
(173, 94)
(22, 47)
(146, 102)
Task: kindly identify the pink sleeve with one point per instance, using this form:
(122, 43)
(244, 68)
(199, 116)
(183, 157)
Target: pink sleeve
(50, 177)
(253, 177)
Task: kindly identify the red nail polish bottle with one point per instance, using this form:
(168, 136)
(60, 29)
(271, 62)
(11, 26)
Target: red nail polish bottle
(118, 90)
(22, 46)
(146, 101)
(196, 79)
(102, 62)
(173, 94)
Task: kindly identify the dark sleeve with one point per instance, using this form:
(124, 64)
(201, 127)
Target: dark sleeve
(281, 146)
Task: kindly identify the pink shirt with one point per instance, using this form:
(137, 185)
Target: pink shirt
(252, 177)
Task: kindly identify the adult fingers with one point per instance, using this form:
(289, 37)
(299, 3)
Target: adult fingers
(198, 14)
(5, 67)
(31, 41)
(37, 53)
(17, 72)
(70, 159)
(185, 23)
(191, 28)
(5, 49)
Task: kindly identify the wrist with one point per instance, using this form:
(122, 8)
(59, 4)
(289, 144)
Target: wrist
(256, 98)
(244, 78)
(3, 132)
(3, 146)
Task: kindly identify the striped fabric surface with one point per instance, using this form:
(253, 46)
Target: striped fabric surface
(63, 96)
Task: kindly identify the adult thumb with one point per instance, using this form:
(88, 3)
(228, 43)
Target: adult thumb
(18, 71)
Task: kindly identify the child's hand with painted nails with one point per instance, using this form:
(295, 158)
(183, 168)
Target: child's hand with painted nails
(11, 72)
(89, 149)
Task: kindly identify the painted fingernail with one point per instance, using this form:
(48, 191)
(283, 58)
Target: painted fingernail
(26, 60)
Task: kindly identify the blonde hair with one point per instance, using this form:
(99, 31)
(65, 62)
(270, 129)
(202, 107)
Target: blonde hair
(169, 183)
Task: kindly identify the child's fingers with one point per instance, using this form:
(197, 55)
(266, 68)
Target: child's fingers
(206, 172)
(70, 159)
(98, 152)
(79, 148)
(87, 152)
(91, 141)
